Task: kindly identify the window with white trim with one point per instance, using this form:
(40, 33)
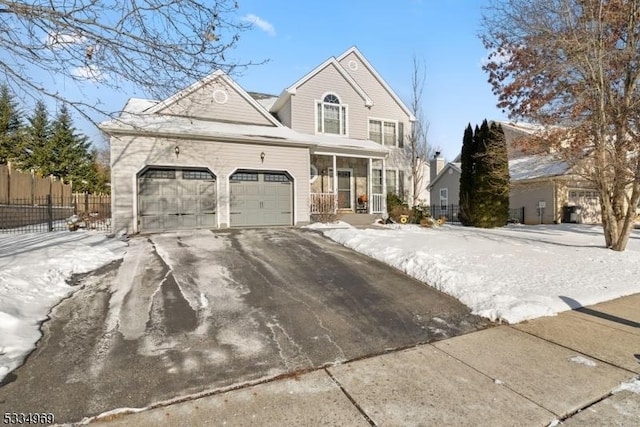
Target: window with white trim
(392, 181)
(444, 198)
(384, 132)
(376, 181)
(331, 115)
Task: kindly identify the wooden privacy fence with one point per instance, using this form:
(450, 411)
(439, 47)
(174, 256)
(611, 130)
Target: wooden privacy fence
(48, 213)
(29, 203)
(26, 187)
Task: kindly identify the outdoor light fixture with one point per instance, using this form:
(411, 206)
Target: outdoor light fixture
(262, 157)
(177, 150)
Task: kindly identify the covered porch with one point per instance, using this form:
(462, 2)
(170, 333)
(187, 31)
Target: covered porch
(347, 183)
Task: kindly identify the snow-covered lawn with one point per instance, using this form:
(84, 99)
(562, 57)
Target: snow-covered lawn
(512, 273)
(33, 272)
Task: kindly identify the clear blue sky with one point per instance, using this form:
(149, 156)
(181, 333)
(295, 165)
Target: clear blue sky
(442, 33)
(295, 37)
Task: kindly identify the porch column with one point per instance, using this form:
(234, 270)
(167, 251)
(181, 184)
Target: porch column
(384, 188)
(369, 186)
(335, 184)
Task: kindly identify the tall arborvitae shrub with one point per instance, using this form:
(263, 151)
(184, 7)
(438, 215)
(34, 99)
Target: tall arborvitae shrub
(491, 205)
(484, 182)
(466, 176)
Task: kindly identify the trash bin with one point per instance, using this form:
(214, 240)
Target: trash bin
(570, 214)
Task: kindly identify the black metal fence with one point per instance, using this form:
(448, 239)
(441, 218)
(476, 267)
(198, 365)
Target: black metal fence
(450, 213)
(51, 213)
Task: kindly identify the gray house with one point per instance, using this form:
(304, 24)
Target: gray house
(215, 156)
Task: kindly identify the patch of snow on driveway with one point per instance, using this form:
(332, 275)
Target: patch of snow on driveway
(33, 273)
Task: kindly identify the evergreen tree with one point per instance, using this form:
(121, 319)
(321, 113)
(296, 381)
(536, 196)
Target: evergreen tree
(491, 196)
(466, 176)
(36, 139)
(9, 127)
(67, 154)
(484, 181)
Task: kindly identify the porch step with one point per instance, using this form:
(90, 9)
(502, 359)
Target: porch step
(357, 219)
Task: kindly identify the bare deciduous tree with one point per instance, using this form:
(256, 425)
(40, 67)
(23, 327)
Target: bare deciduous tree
(416, 149)
(575, 65)
(156, 46)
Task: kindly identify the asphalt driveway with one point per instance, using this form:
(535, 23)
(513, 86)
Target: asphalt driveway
(193, 312)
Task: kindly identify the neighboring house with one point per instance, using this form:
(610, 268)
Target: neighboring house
(214, 155)
(547, 187)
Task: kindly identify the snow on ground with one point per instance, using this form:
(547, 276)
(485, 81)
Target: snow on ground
(33, 272)
(512, 273)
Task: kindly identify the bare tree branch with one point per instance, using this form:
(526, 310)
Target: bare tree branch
(574, 65)
(156, 46)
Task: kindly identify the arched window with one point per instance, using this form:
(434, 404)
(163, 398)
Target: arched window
(332, 115)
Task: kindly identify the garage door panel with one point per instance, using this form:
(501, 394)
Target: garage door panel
(261, 199)
(174, 199)
(207, 220)
(587, 200)
(149, 188)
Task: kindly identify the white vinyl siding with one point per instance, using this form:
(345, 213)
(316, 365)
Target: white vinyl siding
(384, 105)
(304, 104)
(202, 104)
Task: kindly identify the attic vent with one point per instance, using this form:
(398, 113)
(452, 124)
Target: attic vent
(220, 96)
(353, 65)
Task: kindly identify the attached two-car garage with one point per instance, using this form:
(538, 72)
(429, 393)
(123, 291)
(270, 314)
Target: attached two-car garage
(186, 198)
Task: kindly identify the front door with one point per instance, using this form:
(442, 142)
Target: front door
(345, 190)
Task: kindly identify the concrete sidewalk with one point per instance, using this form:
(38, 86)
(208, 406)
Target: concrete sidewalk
(568, 368)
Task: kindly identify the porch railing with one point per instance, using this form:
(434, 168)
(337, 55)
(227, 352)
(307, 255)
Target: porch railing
(377, 203)
(323, 203)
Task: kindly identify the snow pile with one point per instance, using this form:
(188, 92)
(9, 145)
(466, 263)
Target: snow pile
(324, 225)
(632, 385)
(512, 273)
(33, 273)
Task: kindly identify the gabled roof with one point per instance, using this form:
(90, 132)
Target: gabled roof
(451, 165)
(375, 74)
(291, 90)
(216, 75)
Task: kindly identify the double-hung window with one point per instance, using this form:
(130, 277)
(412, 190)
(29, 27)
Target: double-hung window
(332, 116)
(392, 181)
(444, 198)
(384, 132)
(376, 181)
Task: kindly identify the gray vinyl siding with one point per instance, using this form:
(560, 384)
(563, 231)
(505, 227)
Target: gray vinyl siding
(303, 103)
(528, 195)
(285, 114)
(450, 181)
(384, 105)
(130, 154)
(201, 104)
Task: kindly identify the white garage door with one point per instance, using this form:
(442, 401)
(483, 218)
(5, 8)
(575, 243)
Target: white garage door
(589, 205)
(174, 199)
(261, 199)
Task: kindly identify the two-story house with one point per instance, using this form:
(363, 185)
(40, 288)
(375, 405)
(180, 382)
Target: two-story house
(215, 156)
